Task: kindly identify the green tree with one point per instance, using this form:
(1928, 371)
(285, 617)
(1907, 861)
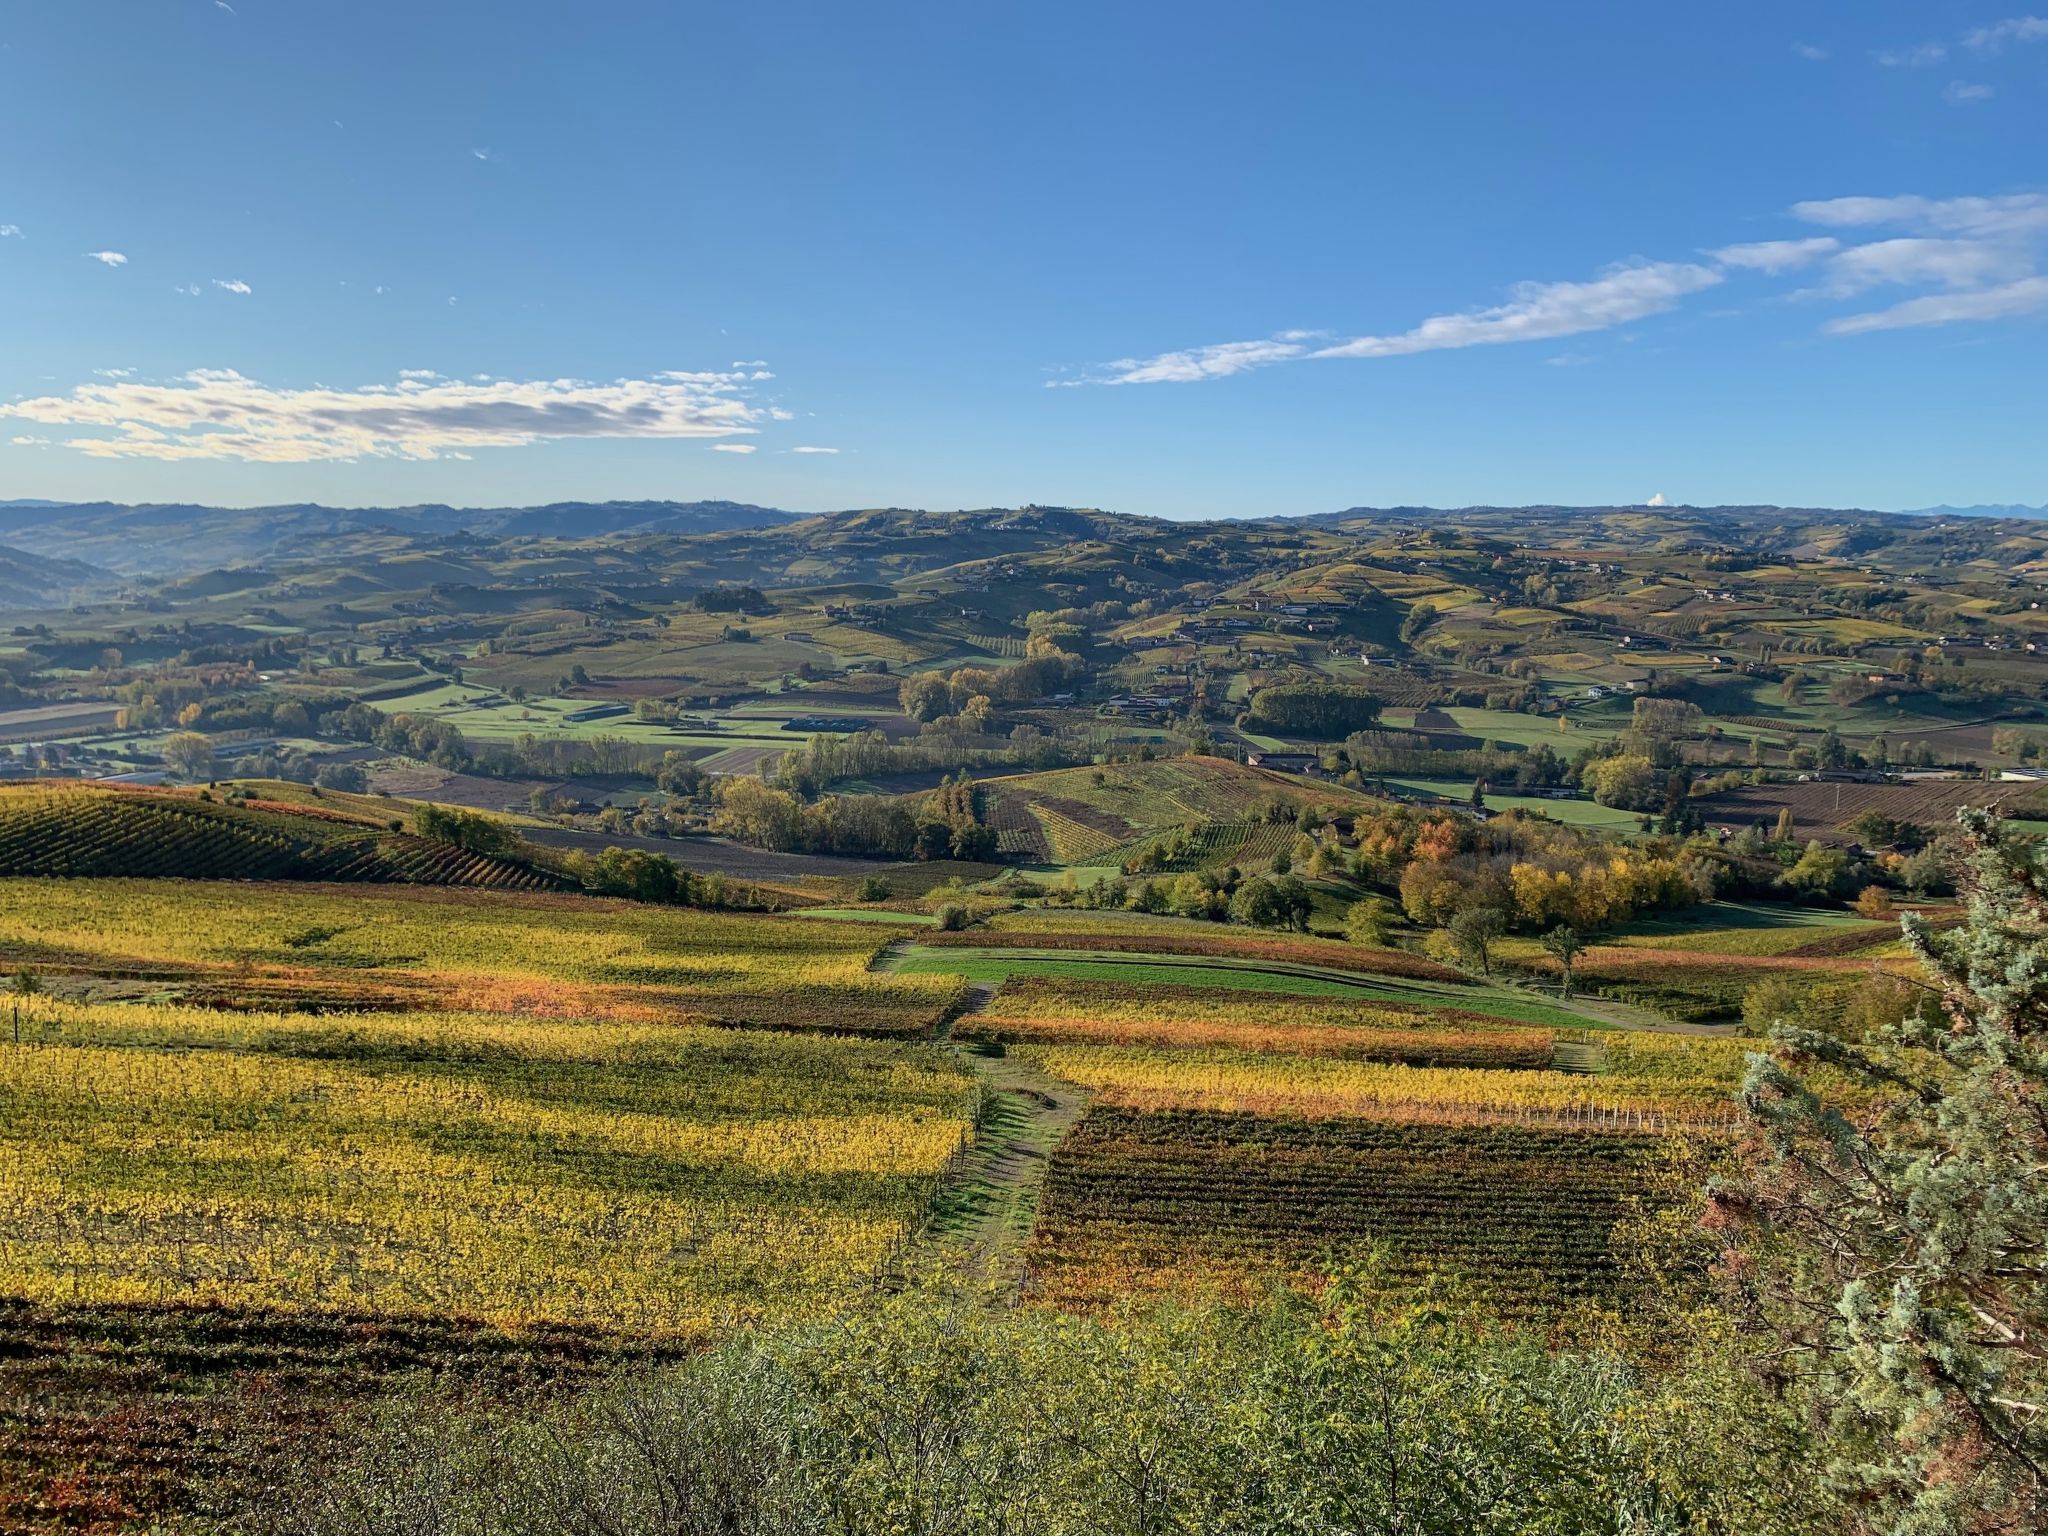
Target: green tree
(1563, 944)
(1821, 870)
(1897, 1217)
(465, 829)
(1368, 921)
(1278, 901)
(1474, 931)
(1628, 782)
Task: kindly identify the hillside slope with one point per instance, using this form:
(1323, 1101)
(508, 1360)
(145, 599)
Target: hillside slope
(1084, 815)
(70, 829)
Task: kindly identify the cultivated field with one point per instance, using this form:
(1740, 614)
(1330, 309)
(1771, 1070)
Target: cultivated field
(542, 956)
(1823, 809)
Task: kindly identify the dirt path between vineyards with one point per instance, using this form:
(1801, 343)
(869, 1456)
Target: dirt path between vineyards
(981, 1221)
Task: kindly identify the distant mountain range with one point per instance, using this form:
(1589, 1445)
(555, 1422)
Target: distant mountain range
(1980, 511)
(165, 537)
(58, 552)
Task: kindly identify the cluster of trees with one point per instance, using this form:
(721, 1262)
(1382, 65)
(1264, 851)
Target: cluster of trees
(1510, 770)
(826, 760)
(969, 695)
(1277, 900)
(944, 824)
(302, 768)
(1313, 709)
(723, 599)
(1534, 873)
(472, 830)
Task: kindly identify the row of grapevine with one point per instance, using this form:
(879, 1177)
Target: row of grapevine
(84, 832)
(1526, 1215)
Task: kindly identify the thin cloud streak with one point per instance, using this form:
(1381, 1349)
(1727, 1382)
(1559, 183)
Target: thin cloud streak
(1983, 250)
(2029, 296)
(1535, 312)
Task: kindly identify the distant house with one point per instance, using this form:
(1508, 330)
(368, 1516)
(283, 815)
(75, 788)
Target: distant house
(1284, 762)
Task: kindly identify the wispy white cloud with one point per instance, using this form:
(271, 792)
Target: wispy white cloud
(1982, 252)
(1192, 364)
(190, 290)
(1921, 259)
(1812, 53)
(1966, 93)
(232, 285)
(1543, 311)
(811, 448)
(10, 232)
(481, 154)
(1657, 501)
(2014, 29)
(732, 447)
(1535, 312)
(2028, 296)
(220, 414)
(222, 5)
(1917, 56)
(1775, 256)
(2020, 213)
(115, 373)
(417, 373)
(107, 258)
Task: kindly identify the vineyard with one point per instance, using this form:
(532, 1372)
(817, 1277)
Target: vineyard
(1250, 845)
(1058, 1011)
(1205, 940)
(1098, 815)
(1709, 987)
(655, 1179)
(1819, 808)
(96, 832)
(1323, 1087)
(1140, 1200)
(546, 956)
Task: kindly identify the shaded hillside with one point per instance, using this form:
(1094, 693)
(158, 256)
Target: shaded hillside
(29, 580)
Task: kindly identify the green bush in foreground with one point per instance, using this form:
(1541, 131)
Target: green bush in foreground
(927, 1415)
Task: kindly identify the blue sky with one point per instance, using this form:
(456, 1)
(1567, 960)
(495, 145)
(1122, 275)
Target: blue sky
(1187, 259)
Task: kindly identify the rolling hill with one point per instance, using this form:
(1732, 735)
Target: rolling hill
(63, 828)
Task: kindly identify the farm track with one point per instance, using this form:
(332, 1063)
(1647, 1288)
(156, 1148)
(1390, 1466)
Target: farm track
(982, 1220)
